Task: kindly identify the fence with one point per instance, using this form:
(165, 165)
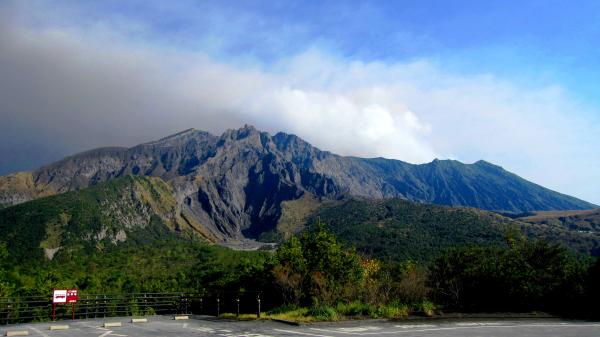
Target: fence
(39, 308)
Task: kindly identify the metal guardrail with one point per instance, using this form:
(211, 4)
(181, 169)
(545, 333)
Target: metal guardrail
(39, 308)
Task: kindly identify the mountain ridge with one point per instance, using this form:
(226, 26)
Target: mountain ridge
(234, 184)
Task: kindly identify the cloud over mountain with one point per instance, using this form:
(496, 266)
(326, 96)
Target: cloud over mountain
(65, 89)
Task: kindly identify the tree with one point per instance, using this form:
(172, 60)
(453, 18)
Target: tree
(527, 275)
(314, 267)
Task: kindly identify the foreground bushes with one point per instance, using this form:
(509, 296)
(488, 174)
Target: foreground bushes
(522, 277)
(356, 309)
(315, 268)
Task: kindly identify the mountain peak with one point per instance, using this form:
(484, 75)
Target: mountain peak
(179, 137)
(487, 164)
(247, 131)
(248, 127)
(179, 134)
(237, 182)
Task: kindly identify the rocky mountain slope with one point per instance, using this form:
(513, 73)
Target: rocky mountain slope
(134, 211)
(234, 185)
(127, 209)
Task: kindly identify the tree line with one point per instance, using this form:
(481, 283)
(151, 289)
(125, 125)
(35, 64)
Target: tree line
(314, 270)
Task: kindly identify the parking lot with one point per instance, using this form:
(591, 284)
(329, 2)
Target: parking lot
(158, 326)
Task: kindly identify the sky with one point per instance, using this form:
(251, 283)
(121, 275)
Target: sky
(508, 82)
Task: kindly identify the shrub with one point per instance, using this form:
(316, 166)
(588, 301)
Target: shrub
(525, 276)
(323, 312)
(425, 307)
(315, 266)
(356, 309)
(393, 310)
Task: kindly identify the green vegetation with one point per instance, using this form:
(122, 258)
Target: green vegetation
(358, 258)
(318, 278)
(313, 268)
(579, 230)
(138, 209)
(528, 275)
(169, 266)
(399, 230)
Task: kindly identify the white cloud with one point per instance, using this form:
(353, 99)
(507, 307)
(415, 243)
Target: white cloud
(76, 91)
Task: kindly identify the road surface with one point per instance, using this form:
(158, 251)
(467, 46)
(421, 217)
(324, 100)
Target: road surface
(160, 326)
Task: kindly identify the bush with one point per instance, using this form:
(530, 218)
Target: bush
(316, 267)
(393, 310)
(522, 277)
(426, 308)
(356, 309)
(323, 312)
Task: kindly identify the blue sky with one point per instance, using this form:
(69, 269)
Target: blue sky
(510, 82)
(532, 41)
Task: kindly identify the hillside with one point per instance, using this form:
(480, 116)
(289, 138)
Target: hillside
(577, 228)
(132, 210)
(395, 229)
(235, 185)
(581, 220)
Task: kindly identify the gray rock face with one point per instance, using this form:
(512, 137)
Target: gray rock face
(234, 184)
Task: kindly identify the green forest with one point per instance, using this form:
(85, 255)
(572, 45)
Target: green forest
(370, 258)
(318, 276)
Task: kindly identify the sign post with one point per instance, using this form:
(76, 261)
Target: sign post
(64, 296)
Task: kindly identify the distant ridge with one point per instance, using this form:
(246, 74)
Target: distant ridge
(234, 184)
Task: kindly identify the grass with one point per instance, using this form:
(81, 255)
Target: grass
(348, 311)
(290, 313)
(231, 315)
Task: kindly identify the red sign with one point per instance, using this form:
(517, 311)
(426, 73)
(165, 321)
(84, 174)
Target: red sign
(64, 296)
(71, 295)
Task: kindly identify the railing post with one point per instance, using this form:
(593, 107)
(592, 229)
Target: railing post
(258, 300)
(187, 299)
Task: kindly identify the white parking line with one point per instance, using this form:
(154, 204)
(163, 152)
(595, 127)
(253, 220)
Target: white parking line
(360, 329)
(38, 331)
(105, 334)
(478, 324)
(410, 326)
(456, 328)
(301, 333)
(244, 334)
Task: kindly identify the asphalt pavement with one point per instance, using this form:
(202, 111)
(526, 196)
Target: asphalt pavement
(160, 326)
